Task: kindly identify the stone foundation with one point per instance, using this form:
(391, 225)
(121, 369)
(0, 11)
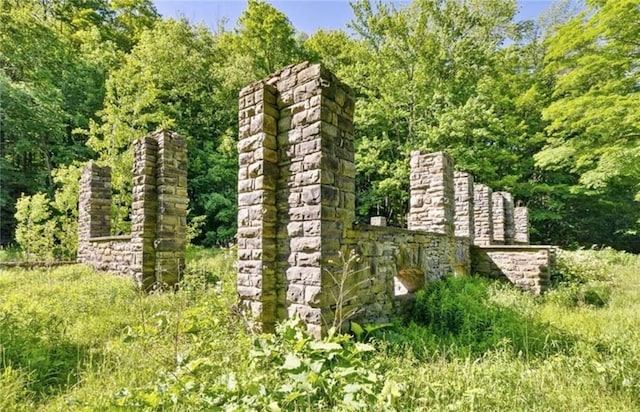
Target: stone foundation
(296, 213)
(153, 254)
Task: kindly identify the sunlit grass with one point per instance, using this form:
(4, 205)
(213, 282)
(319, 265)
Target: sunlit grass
(73, 339)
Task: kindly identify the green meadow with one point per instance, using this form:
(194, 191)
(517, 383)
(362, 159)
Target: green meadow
(74, 339)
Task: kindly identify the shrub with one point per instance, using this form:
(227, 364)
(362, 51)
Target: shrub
(584, 277)
(289, 369)
(35, 229)
(48, 229)
(580, 267)
(458, 315)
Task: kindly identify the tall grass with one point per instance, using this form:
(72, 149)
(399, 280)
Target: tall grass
(72, 339)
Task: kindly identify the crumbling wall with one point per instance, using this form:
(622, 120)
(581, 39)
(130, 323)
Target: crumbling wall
(527, 267)
(296, 212)
(153, 253)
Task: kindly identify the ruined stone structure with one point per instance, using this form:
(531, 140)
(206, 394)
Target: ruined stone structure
(154, 252)
(296, 215)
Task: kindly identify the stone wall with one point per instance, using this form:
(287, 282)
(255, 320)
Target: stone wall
(392, 262)
(296, 213)
(527, 267)
(154, 252)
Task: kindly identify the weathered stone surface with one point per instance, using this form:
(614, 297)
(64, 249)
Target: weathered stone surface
(296, 214)
(464, 202)
(527, 267)
(483, 221)
(498, 218)
(154, 252)
(521, 225)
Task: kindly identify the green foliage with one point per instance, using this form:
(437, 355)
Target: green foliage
(54, 57)
(46, 341)
(65, 205)
(422, 84)
(593, 122)
(35, 230)
(463, 316)
(267, 38)
(172, 78)
(544, 111)
(583, 278)
(74, 339)
(289, 370)
(49, 228)
(580, 267)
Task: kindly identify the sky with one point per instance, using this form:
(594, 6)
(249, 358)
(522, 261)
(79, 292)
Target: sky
(306, 15)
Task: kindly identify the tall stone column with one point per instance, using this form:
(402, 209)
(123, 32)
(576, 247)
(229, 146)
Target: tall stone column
(521, 218)
(296, 177)
(432, 203)
(464, 219)
(94, 207)
(257, 181)
(144, 211)
(503, 223)
(171, 237)
(509, 224)
(498, 217)
(432, 207)
(483, 223)
(316, 189)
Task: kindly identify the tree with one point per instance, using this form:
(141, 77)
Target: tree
(54, 57)
(594, 124)
(174, 78)
(35, 229)
(267, 38)
(419, 83)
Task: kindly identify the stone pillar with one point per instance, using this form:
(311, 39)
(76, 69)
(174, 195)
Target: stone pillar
(94, 207)
(171, 236)
(303, 182)
(498, 217)
(464, 219)
(521, 219)
(432, 202)
(257, 179)
(482, 207)
(144, 211)
(316, 189)
(509, 228)
(432, 207)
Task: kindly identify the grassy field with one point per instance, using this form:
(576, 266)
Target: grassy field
(71, 339)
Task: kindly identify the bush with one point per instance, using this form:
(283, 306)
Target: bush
(48, 229)
(462, 317)
(584, 277)
(580, 267)
(289, 369)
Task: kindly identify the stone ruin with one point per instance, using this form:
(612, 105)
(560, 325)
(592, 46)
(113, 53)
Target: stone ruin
(296, 215)
(153, 254)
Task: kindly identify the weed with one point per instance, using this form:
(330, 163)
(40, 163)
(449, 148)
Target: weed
(72, 339)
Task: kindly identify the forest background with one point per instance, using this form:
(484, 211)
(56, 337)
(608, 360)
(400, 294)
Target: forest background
(547, 109)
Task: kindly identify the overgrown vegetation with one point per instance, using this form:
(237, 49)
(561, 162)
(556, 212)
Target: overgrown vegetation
(72, 339)
(545, 110)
